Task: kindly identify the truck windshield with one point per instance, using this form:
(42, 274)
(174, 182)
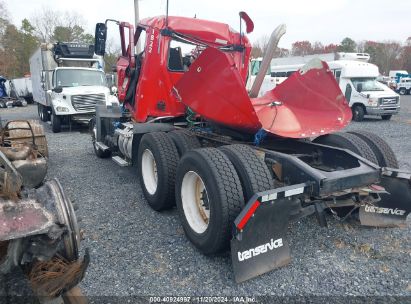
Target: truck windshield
(78, 77)
(368, 84)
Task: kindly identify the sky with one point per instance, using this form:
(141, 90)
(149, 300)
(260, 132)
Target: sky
(327, 21)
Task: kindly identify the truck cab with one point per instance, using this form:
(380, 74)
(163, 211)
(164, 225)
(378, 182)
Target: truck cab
(76, 91)
(68, 82)
(403, 86)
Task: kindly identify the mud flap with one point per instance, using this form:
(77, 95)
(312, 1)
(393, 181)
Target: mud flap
(259, 242)
(394, 206)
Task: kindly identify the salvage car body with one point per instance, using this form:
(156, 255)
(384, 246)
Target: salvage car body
(38, 228)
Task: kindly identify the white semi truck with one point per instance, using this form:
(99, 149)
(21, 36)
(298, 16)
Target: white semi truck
(68, 82)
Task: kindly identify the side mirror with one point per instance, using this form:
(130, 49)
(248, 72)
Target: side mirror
(57, 90)
(100, 39)
(359, 87)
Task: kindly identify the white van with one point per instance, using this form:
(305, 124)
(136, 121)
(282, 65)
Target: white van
(358, 82)
(392, 74)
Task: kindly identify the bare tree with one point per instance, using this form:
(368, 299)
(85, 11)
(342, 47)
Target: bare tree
(4, 19)
(54, 25)
(45, 23)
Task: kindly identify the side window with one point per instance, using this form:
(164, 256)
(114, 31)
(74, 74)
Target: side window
(348, 91)
(181, 55)
(337, 75)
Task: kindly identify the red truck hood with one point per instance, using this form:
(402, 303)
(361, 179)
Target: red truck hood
(308, 103)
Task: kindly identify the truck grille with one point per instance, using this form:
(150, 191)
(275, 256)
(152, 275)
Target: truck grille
(389, 100)
(87, 103)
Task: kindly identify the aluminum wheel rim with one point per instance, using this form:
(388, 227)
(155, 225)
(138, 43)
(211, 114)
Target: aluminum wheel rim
(149, 171)
(195, 202)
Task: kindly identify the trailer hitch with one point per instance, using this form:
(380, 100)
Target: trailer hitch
(395, 204)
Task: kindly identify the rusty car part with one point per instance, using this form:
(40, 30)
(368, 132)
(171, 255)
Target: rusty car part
(52, 278)
(39, 230)
(18, 132)
(24, 145)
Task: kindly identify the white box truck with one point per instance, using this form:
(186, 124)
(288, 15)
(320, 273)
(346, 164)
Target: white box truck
(68, 83)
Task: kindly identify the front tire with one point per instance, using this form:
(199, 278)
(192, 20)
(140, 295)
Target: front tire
(55, 122)
(402, 91)
(157, 164)
(209, 197)
(358, 113)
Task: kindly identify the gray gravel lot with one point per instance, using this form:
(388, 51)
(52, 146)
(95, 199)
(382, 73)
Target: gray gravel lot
(137, 251)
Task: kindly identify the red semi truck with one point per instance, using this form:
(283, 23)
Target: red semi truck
(238, 167)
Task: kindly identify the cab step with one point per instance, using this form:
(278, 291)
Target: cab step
(102, 146)
(120, 161)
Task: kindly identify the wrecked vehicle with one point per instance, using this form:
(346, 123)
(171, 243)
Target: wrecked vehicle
(38, 227)
(239, 167)
(8, 96)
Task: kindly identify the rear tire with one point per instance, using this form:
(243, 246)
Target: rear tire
(402, 91)
(55, 122)
(157, 164)
(209, 197)
(386, 117)
(252, 171)
(184, 141)
(43, 112)
(350, 142)
(358, 113)
(385, 155)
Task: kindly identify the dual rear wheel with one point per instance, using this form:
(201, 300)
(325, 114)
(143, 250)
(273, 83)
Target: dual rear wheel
(209, 186)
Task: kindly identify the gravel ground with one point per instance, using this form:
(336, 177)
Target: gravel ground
(137, 251)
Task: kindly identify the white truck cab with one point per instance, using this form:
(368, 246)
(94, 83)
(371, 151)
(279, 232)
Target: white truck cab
(76, 91)
(68, 82)
(403, 86)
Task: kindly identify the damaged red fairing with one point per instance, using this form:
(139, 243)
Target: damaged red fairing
(213, 88)
(308, 103)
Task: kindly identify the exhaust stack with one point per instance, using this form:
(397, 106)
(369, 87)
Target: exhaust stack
(272, 45)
